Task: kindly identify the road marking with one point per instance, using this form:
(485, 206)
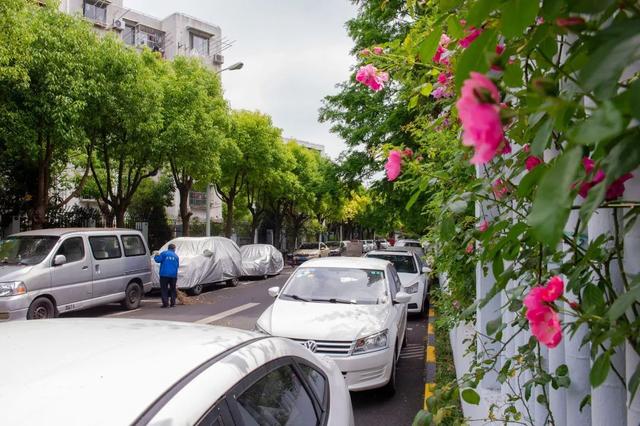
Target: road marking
(430, 360)
(431, 354)
(430, 329)
(224, 314)
(432, 314)
(122, 313)
(428, 392)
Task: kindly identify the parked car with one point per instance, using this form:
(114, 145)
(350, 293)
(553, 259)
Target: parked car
(204, 261)
(368, 245)
(193, 375)
(412, 272)
(51, 271)
(261, 260)
(351, 309)
(414, 245)
(337, 248)
(382, 244)
(308, 251)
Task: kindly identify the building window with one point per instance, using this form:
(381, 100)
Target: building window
(197, 199)
(199, 44)
(96, 11)
(150, 37)
(129, 35)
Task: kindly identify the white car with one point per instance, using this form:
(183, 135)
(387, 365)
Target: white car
(412, 272)
(414, 245)
(139, 372)
(351, 309)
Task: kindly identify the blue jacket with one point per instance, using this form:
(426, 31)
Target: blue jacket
(169, 263)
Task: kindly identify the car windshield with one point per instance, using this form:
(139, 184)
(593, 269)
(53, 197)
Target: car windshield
(411, 244)
(402, 263)
(333, 244)
(29, 250)
(337, 285)
(308, 246)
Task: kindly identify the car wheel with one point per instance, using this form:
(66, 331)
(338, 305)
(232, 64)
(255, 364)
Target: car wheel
(41, 308)
(195, 290)
(233, 282)
(390, 388)
(132, 296)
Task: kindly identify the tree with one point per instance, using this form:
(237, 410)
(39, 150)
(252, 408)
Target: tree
(124, 124)
(195, 120)
(46, 64)
(149, 205)
(249, 146)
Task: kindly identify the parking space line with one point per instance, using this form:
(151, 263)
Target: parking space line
(224, 314)
(122, 313)
(430, 360)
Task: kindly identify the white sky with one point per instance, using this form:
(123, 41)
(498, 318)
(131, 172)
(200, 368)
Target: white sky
(294, 52)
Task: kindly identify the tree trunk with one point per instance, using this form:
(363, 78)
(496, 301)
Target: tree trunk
(185, 214)
(228, 222)
(42, 194)
(119, 213)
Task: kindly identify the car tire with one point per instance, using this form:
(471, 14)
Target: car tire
(233, 282)
(41, 308)
(196, 290)
(390, 388)
(132, 296)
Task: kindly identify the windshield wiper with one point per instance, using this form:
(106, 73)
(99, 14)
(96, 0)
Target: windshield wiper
(334, 300)
(296, 297)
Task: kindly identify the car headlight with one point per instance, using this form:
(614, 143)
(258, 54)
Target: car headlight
(12, 288)
(412, 289)
(260, 329)
(375, 342)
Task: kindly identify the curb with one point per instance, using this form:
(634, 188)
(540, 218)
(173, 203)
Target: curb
(430, 359)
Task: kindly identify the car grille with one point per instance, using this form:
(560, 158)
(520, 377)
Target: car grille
(329, 347)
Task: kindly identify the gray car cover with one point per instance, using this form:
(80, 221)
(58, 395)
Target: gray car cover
(261, 259)
(203, 260)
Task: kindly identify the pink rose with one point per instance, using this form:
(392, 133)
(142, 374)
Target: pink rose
(539, 20)
(500, 188)
(545, 326)
(526, 148)
(408, 152)
(570, 21)
(438, 59)
(378, 50)
(444, 40)
(483, 226)
(469, 248)
(500, 48)
(443, 78)
(614, 191)
(365, 52)
(553, 289)
(533, 300)
(532, 162)
(441, 92)
(479, 113)
(393, 165)
(472, 34)
(372, 77)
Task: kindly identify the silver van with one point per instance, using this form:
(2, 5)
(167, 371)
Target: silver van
(51, 271)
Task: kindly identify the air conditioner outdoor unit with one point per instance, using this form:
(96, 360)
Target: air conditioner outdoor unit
(218, 59)
(119, 24)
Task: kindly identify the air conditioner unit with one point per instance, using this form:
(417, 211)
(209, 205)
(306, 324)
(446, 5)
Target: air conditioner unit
(218, 59)
(119, 24)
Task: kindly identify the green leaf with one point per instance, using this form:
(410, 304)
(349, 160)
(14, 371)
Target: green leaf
(426, 89)
(428, 47)
(423, 418)
(623, 158)
(450, 4)
(493, 326)
(480, 10)
(600, 370)
(470, 396)
(595, 197)
(634, 382)
(585, 401)
(413, 102)
(413, 200)
(552, 203)
(589, 6)
(562, 370)
(475, 57)
(624, 302)
(529, 180)
(542, 137)
(605, 123)
(513, 75)
(618, 46)
(447, 228)
(592, 298)
(517, 15)
(454, 28)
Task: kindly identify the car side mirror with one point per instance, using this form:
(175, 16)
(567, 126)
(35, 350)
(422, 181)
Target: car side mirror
(274, 291)
(60, 259)
(426, 270)
(207, 253)
(402, 297)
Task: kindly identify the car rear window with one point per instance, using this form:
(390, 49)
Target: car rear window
(133, 245)
(105, 247)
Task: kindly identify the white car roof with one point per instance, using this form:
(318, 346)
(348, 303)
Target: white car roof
(100, 371)
(407, 241)
(346, 262)
(391, 252)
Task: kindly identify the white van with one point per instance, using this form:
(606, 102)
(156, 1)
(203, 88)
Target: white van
(51, 271)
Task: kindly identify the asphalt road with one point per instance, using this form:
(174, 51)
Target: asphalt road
(241, 306)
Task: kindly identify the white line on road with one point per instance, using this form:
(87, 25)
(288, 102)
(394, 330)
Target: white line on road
(224, 314)
(122, 313)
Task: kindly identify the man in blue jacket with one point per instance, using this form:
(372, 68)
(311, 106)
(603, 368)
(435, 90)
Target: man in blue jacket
(169, 263)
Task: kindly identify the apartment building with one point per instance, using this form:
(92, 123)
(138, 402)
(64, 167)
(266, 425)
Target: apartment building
(176, 35)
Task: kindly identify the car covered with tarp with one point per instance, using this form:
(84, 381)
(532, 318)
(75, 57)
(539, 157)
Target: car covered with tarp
(261, 260)
(204, 261)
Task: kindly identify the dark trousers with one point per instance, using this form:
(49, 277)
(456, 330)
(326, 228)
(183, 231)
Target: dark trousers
(168, 285)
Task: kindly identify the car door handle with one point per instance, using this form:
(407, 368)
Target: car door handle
(85, 267)
(97, 269)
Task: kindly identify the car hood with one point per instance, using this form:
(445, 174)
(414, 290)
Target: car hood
(14, 272)
(323, 321)
(407, 279)
(311, 252)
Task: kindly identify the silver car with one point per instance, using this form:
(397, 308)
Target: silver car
(51, 271)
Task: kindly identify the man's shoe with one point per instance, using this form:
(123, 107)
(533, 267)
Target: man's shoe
(172, 305)
(164, 306)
